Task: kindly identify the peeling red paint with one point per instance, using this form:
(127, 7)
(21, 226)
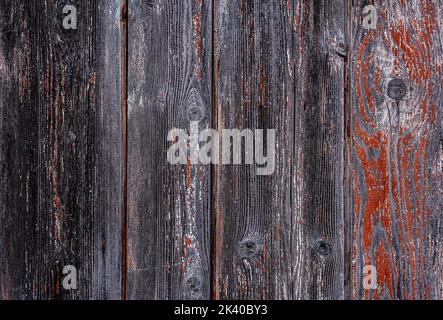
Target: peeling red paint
(388, 203)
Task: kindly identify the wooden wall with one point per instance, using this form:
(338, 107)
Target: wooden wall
(84, 120)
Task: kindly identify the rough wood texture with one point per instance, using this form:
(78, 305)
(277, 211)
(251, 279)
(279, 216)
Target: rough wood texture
(168, 206)
(396, 176)
(59, 156)
(84, 121)
(279, 65)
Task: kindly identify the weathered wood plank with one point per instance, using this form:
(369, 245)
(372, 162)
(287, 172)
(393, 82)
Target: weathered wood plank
(396, 174)
(319, 177)
(59, 149)
(168, 205)
(279, 65)
(299, 233)
(254, 74)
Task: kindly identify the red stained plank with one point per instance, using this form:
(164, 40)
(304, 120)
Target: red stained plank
(395, 114)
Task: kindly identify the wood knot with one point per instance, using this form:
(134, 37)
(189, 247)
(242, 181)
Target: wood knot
(341, 50)
(195, 114)
(193, 286)
(396, 89)
(323, 248)
(249, 248)
(195, 106)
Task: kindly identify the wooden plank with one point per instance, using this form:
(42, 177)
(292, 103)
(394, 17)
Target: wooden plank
(279, 65)
(168, 205)
(358, 163)
(60, 149)
(396, 176)
(319, 179)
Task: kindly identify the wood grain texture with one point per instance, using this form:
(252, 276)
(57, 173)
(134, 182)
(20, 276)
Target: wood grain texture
(84, 122)
(168, 205)
(396, 168)
(279, 65)
(318, 179)
(59, 156)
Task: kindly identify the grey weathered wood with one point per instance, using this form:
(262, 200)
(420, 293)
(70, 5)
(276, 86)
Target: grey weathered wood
(168, 205)
(279, 65)
(85, 179)
(396, 186)
(318, 179)
(59, 150)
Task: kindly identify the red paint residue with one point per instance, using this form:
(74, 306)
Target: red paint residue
(392, 157)
(196, 23)
(188, 175)
(186, 260)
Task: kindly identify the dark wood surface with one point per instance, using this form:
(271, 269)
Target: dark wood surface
(60, 150)
(84, 121)
(168, 205)
(277, 67)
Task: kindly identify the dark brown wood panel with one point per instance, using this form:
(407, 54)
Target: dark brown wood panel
(59, 150)
(280, 65)
(396, 163)
(168, 205)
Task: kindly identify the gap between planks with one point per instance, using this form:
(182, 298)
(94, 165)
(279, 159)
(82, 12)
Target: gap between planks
(124, 137)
